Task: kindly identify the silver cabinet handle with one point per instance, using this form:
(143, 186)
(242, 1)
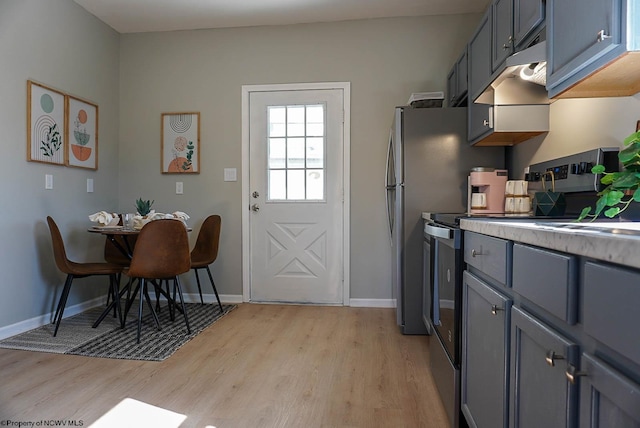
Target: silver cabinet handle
(475, 253)
(552, 357)
(508, 44)
(572, 373)
(485, 122)
(255, 207)
(495, 309)
(602, 36)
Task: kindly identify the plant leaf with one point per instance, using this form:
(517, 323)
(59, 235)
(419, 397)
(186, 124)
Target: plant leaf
(614, 197)
(612, 212)
(598, 169)
(625, 180)
(629, 153)
(585, 212)
(601, 204)
(632, 138)
(607, 179)
(636, 195)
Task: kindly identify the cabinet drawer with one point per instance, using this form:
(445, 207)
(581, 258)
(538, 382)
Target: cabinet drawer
(487, 254)
(611, 315)
(548, 279)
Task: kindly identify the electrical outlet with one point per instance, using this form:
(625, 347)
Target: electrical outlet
(179, 188)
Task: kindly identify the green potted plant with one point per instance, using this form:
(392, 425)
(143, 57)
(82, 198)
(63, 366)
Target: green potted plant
(623, 187)
(144, 207)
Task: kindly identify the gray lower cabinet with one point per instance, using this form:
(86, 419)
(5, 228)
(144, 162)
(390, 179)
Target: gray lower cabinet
(485, 354)
(607, 398)
(540, 393)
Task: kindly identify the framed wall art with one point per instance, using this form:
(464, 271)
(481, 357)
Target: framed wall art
(45, 124)
(81, 134)
(180, 143)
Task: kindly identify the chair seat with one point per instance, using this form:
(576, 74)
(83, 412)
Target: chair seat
(98, 268)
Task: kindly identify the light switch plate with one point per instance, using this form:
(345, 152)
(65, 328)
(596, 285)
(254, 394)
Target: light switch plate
(179, 188)
(89, 185)
(230, 174)
(48, 181)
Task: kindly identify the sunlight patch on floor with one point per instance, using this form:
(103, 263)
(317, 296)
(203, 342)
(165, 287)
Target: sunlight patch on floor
(130, 413)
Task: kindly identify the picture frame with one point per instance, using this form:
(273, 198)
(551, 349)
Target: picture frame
(81, 131)
(46, 114)
(180, 151)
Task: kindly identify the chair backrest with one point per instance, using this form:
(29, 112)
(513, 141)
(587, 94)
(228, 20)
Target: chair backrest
(208, 240)
(59, 252)
(162, 251)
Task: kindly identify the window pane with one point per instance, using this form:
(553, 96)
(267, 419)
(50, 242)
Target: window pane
(295, 188)
(276, 121)
(295, 153)
(315, 152)
(277, 185)
(277, 152)
(295, 121)
(315, 120)
(315, 184)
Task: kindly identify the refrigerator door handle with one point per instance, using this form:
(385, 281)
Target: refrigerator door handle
(389, 187)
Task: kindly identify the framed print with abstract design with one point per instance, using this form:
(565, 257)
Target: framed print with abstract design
(45, 124)
(81, 133)
(180, 143)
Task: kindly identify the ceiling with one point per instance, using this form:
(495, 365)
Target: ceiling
(136, 16)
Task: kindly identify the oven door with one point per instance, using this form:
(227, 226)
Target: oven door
(447, 287)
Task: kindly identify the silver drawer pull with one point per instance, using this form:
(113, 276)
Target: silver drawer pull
(495, 309)
(552, 357)
(602, 36)
(572, 373)
(475, 253)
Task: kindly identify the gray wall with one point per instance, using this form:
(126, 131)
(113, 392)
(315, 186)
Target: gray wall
(385, 60)
(57, 43)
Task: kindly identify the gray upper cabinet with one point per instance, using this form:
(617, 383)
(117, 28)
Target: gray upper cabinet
(457, 84)
(587, 42)
(485, 356)
(479, 55)
(528, 15)
(541, 395)
(502, 32)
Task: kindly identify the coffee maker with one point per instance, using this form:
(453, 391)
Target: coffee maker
(486, 188)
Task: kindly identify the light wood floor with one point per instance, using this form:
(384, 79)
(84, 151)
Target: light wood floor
(259, 366)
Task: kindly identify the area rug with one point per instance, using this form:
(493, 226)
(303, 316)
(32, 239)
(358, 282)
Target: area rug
(77, 337)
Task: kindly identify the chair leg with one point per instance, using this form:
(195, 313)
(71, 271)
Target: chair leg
(62, 303)
(153, 312)
(115, 286)
(199, 288)
(129, 299)
(176, 286)
(215, 291)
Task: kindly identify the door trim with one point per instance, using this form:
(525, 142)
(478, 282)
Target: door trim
(346, 212)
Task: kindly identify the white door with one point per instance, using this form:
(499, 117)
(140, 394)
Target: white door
(296, 196)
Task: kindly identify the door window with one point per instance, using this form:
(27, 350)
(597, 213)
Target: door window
(296, 160)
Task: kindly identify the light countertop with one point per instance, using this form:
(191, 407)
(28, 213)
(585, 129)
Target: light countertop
(616, 242)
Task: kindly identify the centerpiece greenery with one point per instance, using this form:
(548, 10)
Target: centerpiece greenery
(623, 187)
(144, 207)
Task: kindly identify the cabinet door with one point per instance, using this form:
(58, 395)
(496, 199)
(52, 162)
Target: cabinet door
(452, 79)
(478, 121)
(480, 57)
(540, 394)
(527, 16)
(607, 398)
(502, 32)
(461, 77)
(580, 32)
(485, 357)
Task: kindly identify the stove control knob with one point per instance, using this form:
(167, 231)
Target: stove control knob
(575, 169)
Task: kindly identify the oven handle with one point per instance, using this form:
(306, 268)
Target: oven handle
(438, 232)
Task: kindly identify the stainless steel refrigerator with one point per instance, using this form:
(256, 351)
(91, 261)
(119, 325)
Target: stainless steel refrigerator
(428, 162)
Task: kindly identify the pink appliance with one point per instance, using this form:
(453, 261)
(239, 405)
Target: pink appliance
(490, 182)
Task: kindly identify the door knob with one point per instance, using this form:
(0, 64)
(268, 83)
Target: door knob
(255, 207)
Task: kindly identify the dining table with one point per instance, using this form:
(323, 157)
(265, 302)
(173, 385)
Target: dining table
(112, 233)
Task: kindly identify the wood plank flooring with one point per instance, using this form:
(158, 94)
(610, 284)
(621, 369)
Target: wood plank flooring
(259, 366)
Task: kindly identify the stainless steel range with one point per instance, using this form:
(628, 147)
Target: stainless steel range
(443, 249)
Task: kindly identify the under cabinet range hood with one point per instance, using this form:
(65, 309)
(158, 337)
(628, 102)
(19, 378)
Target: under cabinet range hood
(522, 81)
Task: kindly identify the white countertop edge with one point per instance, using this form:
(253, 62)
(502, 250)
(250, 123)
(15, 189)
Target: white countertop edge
(619, 249)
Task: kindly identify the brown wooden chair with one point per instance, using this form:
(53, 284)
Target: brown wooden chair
(161, 253)
(79, 270)
(205, 252)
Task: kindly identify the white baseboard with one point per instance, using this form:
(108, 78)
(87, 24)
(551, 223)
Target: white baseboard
(372, 303)
(232, 299)
(35, 322)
